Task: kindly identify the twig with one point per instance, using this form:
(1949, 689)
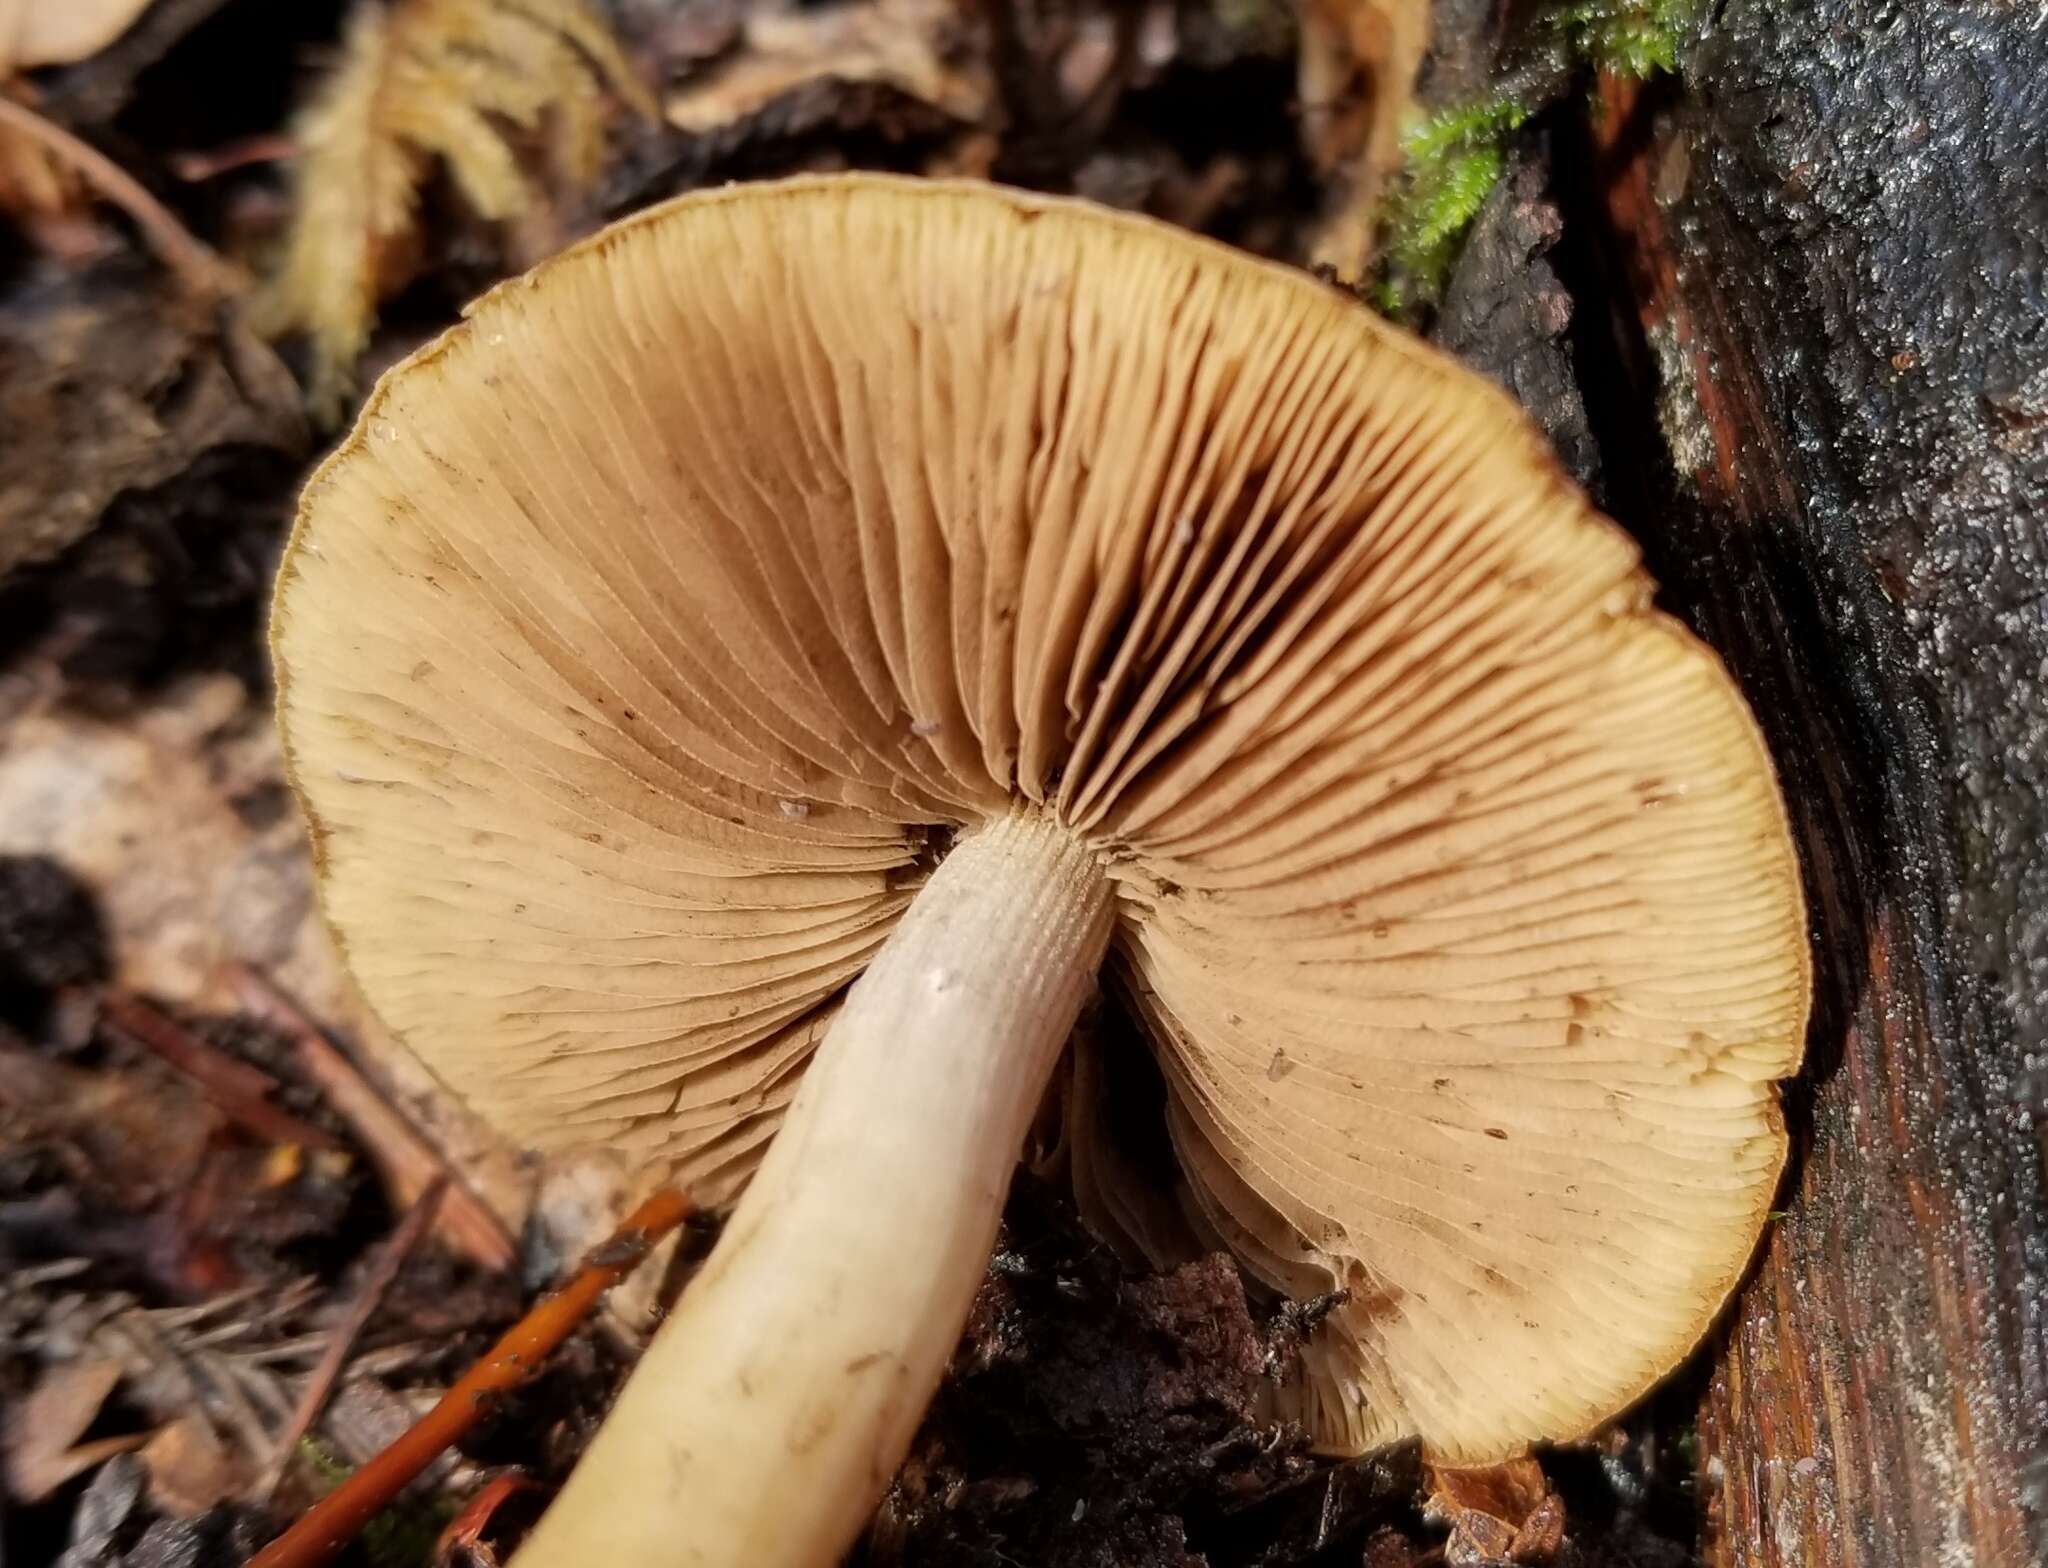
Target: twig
(403, 1155)
(237, 1088)
(466, 1529)
(203, 270)
(334, 1521)
(184, 1050)
(209, 162)
(320, 1383)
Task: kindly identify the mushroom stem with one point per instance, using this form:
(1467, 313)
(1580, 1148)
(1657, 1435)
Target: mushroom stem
(771, 1410)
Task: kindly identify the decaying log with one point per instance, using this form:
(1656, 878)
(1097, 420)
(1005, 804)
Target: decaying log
(1829, 251)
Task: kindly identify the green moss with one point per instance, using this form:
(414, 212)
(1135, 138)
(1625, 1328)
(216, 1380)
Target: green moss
(404, 1534)
(1453, 159)
(1451, 162)
(1627, 37)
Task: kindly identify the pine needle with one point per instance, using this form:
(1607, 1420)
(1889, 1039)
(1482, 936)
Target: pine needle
(422, 81)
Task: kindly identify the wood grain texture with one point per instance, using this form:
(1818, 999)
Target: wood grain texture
(1834, 251)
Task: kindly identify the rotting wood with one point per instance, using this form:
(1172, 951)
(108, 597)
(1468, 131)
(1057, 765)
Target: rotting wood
(1855, 408)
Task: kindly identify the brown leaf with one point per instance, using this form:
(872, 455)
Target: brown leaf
(1357, 81)
(1497, 1513)
(35, 186)
(902, 44)
(42, 1434)
(43, 32)
(190, 1470)
(133, 1137)
(214, 883)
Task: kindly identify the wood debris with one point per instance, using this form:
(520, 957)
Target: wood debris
(341, 1340)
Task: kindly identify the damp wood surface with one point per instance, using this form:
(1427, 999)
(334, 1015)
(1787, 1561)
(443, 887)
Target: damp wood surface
(1827, 272)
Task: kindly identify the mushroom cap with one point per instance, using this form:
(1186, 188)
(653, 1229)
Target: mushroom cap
(651, 622)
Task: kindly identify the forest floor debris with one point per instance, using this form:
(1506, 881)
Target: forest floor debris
(208, 1153)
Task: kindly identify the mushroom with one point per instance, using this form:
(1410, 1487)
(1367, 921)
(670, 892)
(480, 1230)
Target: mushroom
(752, 673)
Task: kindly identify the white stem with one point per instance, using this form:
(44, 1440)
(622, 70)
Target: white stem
(767, 1417)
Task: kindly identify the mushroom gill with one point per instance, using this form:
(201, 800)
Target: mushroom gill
(661, 627)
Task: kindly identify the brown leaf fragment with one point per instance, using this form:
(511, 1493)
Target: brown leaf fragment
(1497, 1513)
(41, 1439)
(1357, 82)
(911, 46)
(37, 189)
(60, 32)
(190, 1469)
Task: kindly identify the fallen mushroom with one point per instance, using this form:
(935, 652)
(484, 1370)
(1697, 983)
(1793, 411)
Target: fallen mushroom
(748, 674)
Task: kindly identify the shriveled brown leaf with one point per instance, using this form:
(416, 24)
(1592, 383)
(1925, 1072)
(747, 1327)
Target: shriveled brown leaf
(1357, 82)
(907, 45)
(190, 1469)
(1497, 1513)
(42, 1444)
(420, 83)
(129, 1139)
(60, 32)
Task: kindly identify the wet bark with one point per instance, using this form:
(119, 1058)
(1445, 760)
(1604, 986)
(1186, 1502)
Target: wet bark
(1827, 260)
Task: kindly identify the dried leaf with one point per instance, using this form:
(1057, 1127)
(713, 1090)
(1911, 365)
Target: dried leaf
(190, 1470)
(902, 44)
(117, 378)
(36, 188)
(42, 1437)
(44, 32)
(423, 81)
(214, 884)
(1357, 82)
(32, 183)
(1498, 1513)
(220, 882)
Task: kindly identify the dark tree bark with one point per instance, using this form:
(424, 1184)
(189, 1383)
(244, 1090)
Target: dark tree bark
(1828, 253)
